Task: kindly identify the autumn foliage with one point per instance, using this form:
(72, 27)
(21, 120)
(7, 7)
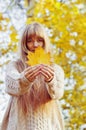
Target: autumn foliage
(66, 26)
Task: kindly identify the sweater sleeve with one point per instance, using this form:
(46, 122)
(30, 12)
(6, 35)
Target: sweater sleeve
(56, 86)
(16, 83)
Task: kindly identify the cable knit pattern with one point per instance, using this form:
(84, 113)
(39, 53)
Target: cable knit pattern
(17, 85)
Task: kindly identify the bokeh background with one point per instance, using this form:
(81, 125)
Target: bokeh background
(65, 23)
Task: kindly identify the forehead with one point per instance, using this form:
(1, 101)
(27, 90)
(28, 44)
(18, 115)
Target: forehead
(34, 36)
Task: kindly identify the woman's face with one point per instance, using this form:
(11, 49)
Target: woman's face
(34, 41)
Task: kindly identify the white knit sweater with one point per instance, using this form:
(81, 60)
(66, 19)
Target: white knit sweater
(17, 86)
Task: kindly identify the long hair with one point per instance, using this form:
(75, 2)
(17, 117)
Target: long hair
(37, 95)
(37, 29)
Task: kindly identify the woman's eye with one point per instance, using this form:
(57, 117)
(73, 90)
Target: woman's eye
(40, 40)
(29, 40)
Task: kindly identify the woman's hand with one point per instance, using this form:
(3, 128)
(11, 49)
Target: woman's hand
(47, 71)
(32, 72)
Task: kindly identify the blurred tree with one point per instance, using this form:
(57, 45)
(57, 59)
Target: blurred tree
(65, 23)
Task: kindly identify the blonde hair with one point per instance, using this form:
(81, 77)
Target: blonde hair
(38, 89)
(37, 29)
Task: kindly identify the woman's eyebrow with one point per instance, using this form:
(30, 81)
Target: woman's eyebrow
(41, 38)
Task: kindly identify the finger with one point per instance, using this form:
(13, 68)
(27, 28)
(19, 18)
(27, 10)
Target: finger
(31, 78)
(33, 73)
(47, 67)
(44, 74)
(48, 72)
(47, 79)
(32, 70)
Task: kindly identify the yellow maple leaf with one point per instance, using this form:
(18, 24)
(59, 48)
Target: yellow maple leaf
(38, 57)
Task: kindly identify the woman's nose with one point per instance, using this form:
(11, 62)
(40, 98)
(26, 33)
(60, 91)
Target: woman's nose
(35, 44)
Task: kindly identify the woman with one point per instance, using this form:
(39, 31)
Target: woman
(35, 90)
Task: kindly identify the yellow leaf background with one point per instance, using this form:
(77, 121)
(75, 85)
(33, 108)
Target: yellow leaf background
(66, 22)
